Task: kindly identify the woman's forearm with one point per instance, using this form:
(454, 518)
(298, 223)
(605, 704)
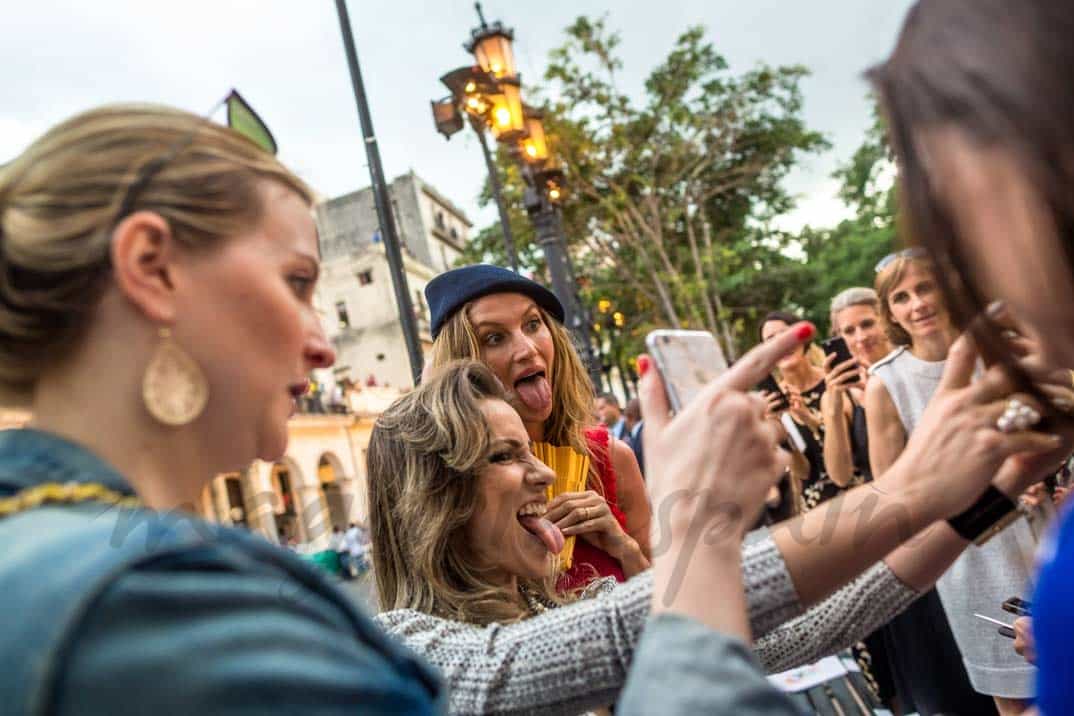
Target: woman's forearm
(921, 561)
(631, 557)
(837, 450)
(828, 546)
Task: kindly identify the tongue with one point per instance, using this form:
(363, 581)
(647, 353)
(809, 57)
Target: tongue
(545, 531)
(535, 393)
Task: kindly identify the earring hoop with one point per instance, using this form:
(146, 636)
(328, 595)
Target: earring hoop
(174, 388)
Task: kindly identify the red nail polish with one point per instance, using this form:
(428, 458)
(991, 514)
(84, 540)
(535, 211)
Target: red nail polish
(643, 365)
(805, 332)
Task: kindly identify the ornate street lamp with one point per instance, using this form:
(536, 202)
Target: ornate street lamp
(491, 94)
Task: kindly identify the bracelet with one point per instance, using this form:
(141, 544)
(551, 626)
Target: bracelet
(986, 517)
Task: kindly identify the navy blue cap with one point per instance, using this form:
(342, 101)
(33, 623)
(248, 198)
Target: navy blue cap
(450, 291)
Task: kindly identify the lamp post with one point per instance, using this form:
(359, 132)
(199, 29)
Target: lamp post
(491, 94)
(382, 201)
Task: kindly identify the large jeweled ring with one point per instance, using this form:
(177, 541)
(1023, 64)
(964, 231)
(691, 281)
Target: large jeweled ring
(1017, 417)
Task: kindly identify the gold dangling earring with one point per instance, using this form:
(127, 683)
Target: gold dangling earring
(174, 389)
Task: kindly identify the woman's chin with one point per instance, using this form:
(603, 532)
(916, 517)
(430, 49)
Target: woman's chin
(530, 415)
(273, 446)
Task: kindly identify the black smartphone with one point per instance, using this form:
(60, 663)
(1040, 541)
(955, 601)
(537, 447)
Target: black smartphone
(769, 385)
(1017, 606)
(837, 345)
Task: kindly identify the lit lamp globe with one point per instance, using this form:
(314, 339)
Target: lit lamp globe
(506, 117)
(491, 47)
(470, 86)
(534, 145)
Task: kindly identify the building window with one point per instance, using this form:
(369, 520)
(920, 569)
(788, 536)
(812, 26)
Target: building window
(440, 219)
(341, 313)
(365, 277)
(420, 309)
(454, 233)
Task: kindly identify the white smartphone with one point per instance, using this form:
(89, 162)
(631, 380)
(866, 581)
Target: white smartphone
(793, 433)
(1005, 629)
(687, 360)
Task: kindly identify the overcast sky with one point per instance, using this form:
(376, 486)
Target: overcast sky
(286, 57)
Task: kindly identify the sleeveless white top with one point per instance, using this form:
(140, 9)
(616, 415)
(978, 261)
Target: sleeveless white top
(982, 577)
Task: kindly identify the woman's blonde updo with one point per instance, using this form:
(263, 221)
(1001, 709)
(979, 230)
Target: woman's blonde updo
(58, 206)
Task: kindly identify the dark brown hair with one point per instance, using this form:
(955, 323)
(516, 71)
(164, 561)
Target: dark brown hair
(1000, 72)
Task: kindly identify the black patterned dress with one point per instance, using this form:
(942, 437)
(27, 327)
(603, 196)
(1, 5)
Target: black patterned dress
(817, 487)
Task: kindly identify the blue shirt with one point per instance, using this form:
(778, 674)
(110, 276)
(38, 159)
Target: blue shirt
(114, 611)
(1053, 622)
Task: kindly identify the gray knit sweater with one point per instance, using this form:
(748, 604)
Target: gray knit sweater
(576, 658)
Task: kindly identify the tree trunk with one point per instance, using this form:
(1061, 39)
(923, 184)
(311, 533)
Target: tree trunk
(725, 329)
(699, 274)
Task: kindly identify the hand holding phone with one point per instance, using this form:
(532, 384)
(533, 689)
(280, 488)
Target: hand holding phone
(837, 346)
(769, 385)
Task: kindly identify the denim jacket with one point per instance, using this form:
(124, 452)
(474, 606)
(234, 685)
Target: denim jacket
(113, 611)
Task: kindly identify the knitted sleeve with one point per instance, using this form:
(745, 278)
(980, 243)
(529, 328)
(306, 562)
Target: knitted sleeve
(846, 617)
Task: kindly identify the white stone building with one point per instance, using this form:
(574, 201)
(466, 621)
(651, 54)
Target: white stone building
(355, 291)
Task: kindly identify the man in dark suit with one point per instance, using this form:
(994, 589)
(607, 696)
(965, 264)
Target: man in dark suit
(607, 406)
(634, 427)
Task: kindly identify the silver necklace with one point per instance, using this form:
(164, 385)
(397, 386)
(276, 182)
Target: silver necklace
(537, 603)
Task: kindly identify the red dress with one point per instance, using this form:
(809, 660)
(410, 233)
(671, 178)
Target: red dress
(591, 562)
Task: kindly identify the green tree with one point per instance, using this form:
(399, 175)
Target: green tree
(839, 257)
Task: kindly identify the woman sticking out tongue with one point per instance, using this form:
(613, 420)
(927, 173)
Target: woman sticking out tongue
(515, 327)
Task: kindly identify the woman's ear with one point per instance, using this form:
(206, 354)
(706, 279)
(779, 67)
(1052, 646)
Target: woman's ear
(143, 254)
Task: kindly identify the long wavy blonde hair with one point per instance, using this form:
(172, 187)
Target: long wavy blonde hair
(572, 391)
(424, 457)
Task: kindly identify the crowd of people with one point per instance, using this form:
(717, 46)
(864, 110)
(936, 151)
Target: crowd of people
(140, 244)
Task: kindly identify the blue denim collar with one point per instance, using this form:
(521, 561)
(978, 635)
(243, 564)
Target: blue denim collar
(30, 457)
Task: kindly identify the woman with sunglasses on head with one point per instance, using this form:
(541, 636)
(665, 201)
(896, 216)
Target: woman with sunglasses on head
(980, 103)
(515, 326)
(903, 383)
(156, 317)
